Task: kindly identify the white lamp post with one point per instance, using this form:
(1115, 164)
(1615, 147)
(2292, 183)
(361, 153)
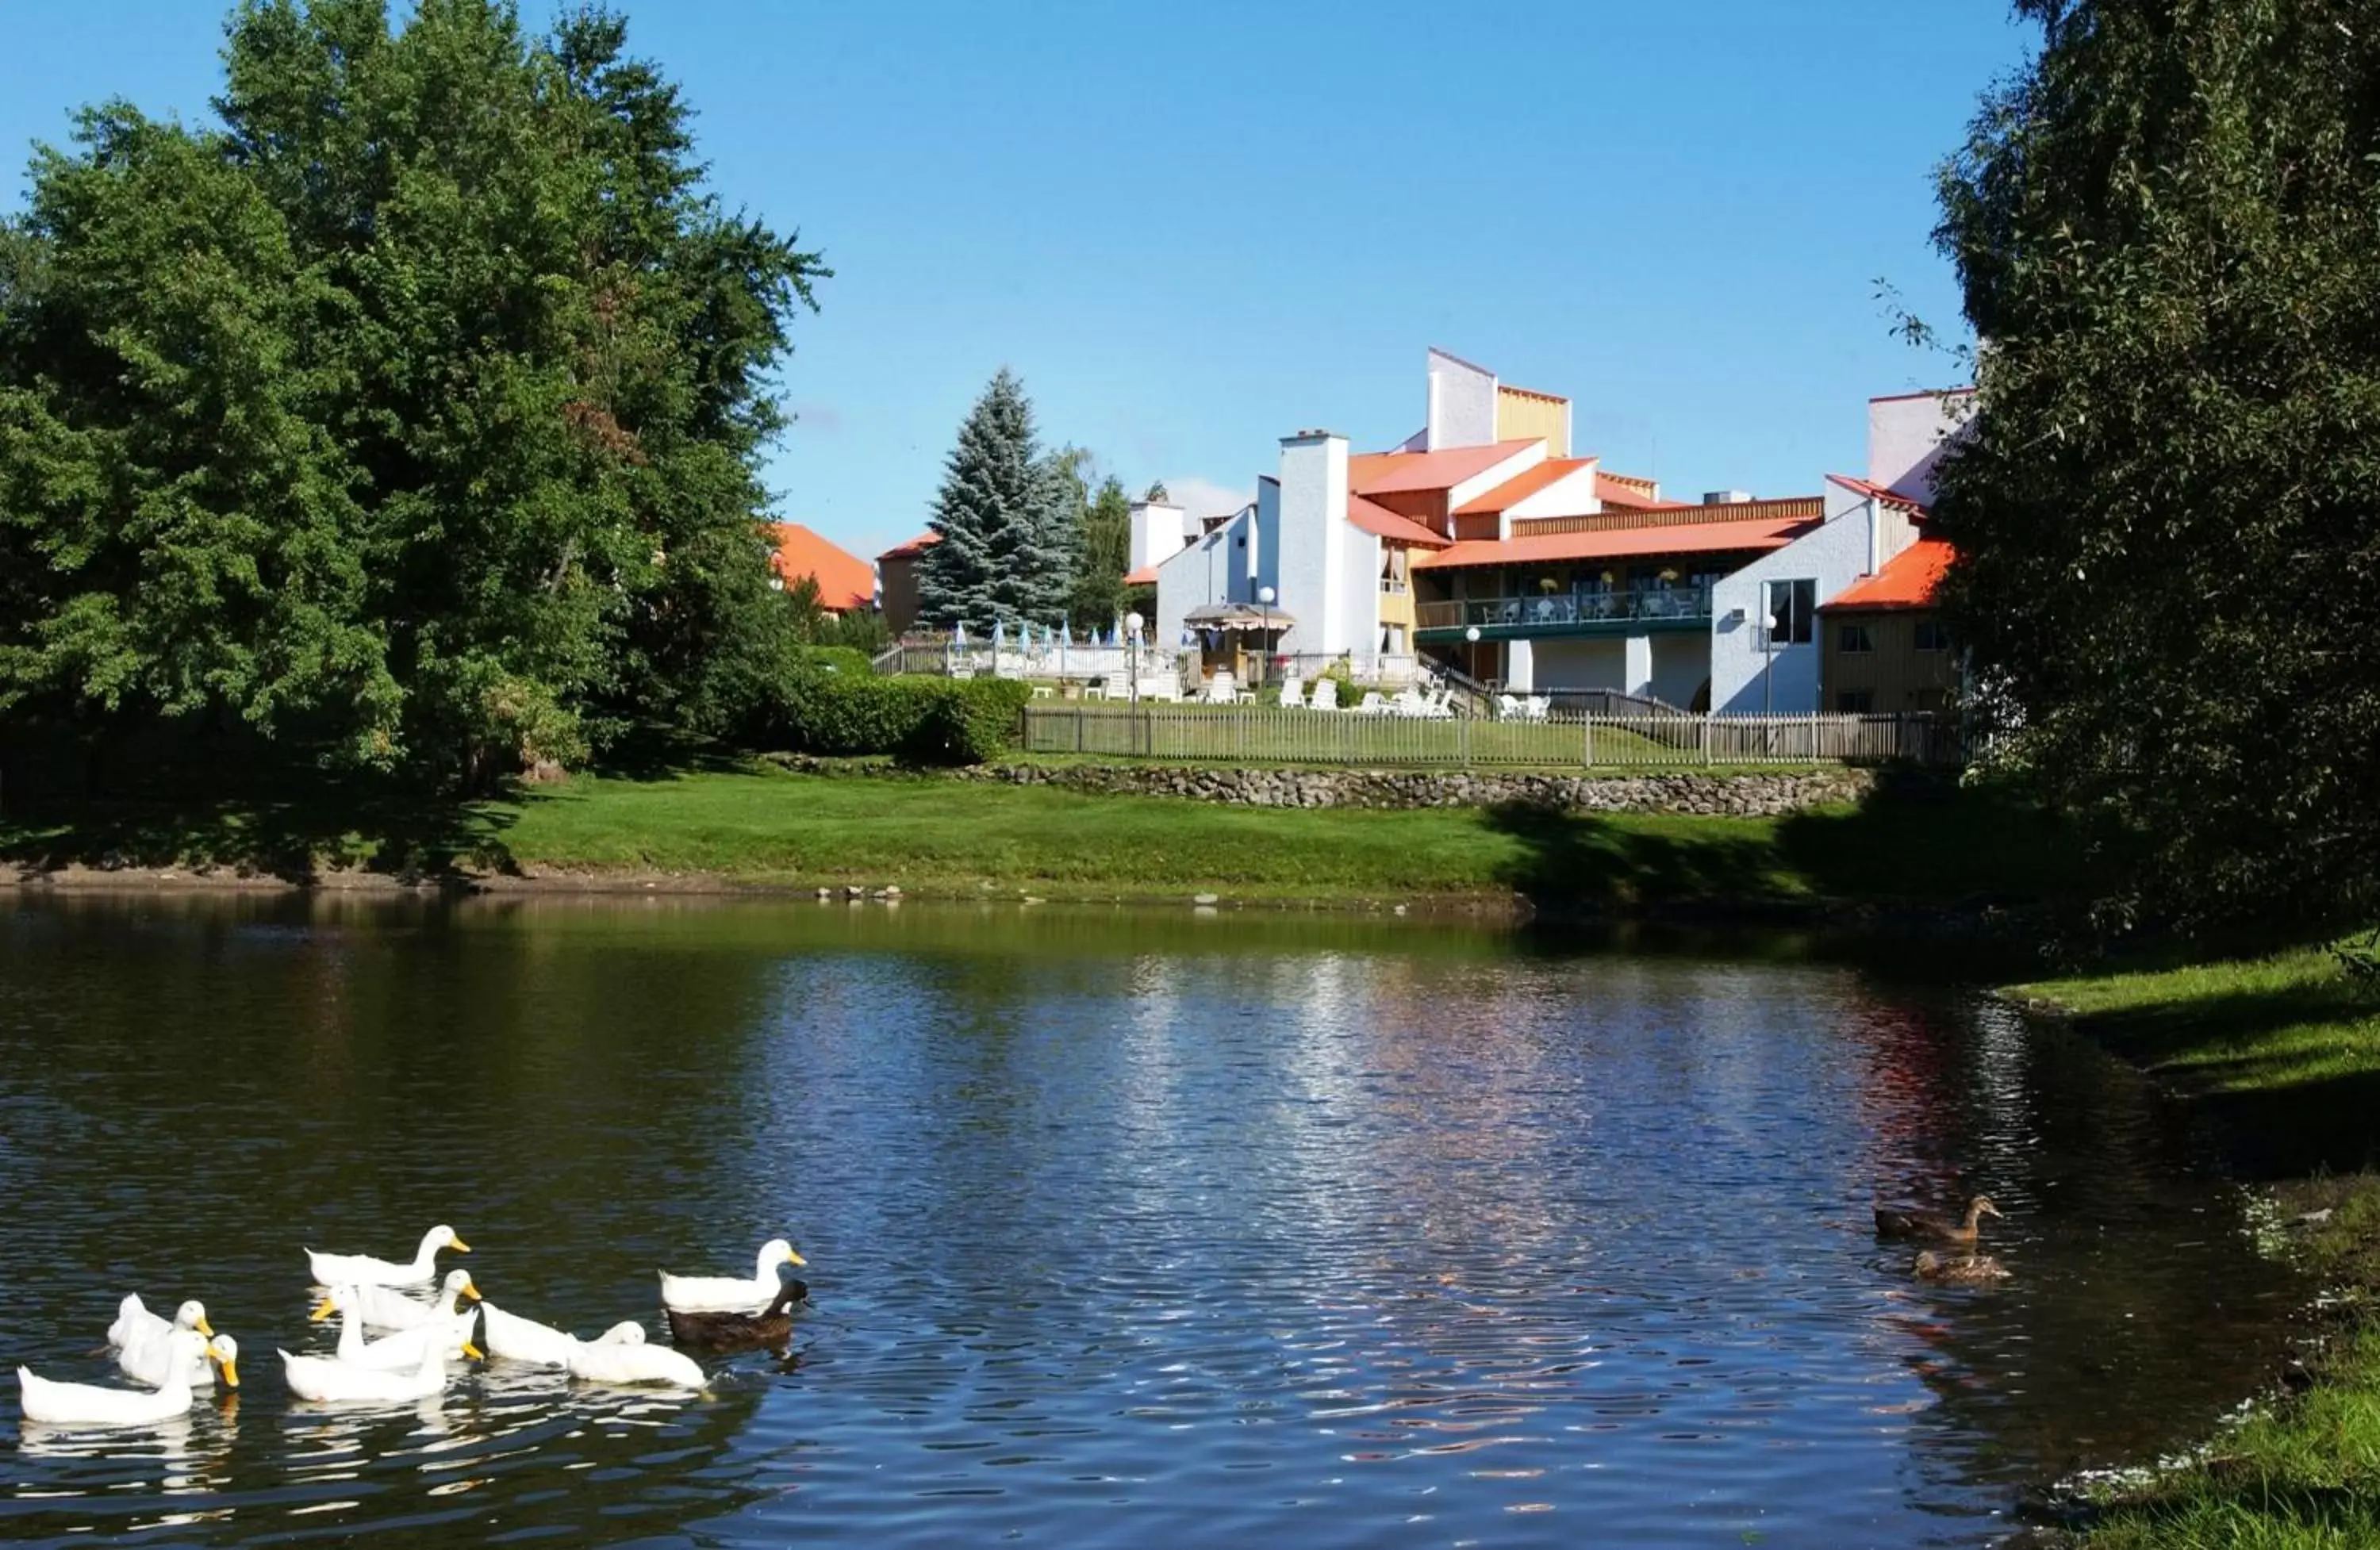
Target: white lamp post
(1131, 623)
(1471, 637)
(1265, 596)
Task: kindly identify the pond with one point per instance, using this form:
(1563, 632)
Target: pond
(1123, 1228)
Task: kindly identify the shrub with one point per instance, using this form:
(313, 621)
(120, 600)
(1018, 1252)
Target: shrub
(926, 719)
(836, 658)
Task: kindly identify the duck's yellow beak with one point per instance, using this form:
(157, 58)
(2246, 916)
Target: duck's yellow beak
(471, 1291)
(230, 1374)
(793, 1257)
(323, 1309)
(459, 1246)
(205, 1328)
(473, 1353)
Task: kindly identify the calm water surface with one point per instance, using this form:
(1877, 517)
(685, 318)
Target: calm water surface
(1125, 1230)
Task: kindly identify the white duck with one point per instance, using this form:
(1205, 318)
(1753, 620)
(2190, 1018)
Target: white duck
(363, 1270)
(134, 1322)
(151, 1362)
(328, 1380)
(513, 1338)
(400, 1352)
(83, 1404)
(383, 1308)
(726, 1294)
(634, 1362)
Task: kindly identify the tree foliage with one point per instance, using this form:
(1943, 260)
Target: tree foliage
(1100, 595)
(409, 413)
(1005, 515)
(2167, 230)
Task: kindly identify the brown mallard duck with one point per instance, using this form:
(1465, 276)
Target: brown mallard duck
(772, 1327)
(1890, 1223)
(1957, 1269)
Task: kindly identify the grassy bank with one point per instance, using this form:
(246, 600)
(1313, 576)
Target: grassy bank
(2287, 1053)
(763, 827)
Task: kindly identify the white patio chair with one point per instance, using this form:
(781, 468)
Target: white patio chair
(1326, 693)
(1292, 695)
(1161, 686)
(1508, 708)
(1372, 704)
(1536, 706)
(1218, 690)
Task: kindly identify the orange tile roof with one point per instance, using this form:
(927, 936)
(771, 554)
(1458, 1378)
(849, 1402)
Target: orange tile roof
(844, 580)
(1910, 579)
(1386, 473)
(913, 548)
(1686, 537)
(1145, 577)
(1513, 492)
(1619, 489)
(1375, 519)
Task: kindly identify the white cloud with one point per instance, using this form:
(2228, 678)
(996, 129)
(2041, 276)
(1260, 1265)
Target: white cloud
(1206, 498)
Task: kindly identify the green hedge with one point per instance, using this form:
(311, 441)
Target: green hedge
(835, 659)
(927, 720)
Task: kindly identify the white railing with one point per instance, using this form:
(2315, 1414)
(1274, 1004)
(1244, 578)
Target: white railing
(1272, 735)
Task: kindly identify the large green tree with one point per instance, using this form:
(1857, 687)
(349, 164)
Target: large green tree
(409, 413)
(2167, 509)
(1006, 518)
(1105, 554)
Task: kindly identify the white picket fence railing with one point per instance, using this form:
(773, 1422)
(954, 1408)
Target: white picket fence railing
(1271, 734)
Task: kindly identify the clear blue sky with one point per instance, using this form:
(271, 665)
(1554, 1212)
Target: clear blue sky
(1195, 227)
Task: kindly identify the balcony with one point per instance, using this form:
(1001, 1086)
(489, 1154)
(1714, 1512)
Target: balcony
(1586, 613)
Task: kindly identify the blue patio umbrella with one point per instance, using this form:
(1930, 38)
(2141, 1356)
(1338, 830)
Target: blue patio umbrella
(958, 632)
(999, 634)
(1025, 635)
(1066, 633)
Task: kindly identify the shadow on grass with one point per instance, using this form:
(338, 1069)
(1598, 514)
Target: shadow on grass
(292, 838)
(1916, 839)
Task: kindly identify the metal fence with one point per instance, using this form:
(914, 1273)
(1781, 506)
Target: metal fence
(1270, 735)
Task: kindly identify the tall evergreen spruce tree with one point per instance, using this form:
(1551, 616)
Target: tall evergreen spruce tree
(1007, 548)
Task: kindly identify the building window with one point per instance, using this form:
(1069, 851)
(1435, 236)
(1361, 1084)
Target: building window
(1854, 702)
(1792, 605)
(1854, 641)
(1932, 636)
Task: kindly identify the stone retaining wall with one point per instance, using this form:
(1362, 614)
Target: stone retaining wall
(1757, 795)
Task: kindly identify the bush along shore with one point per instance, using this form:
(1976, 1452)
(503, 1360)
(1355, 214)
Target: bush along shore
(2284, 1052)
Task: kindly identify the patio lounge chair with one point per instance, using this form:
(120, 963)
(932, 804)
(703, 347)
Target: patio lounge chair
(1373, 704)
(1326, 693)
(1292, 695)
(1219, 690)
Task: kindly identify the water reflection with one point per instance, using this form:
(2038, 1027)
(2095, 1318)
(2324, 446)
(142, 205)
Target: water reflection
(1128, 1228)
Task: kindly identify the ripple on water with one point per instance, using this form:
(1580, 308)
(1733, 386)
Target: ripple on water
(1123, 1231)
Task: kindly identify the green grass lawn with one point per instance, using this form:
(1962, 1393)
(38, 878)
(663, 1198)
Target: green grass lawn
(2284, 1052)
(945, 834)
(765, 826)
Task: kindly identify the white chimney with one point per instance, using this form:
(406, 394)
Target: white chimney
(1157, 533)
(1726, 497)
(1313, 540)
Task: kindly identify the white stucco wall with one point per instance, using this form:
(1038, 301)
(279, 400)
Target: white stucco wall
(1571, 495)
(1313, 545)
(1358, 611)
(1681, 663)
(1905, 438)
(1157, 532)
(1744, 680)
(1221, 567)
(1598, 663)
(1461, 404)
